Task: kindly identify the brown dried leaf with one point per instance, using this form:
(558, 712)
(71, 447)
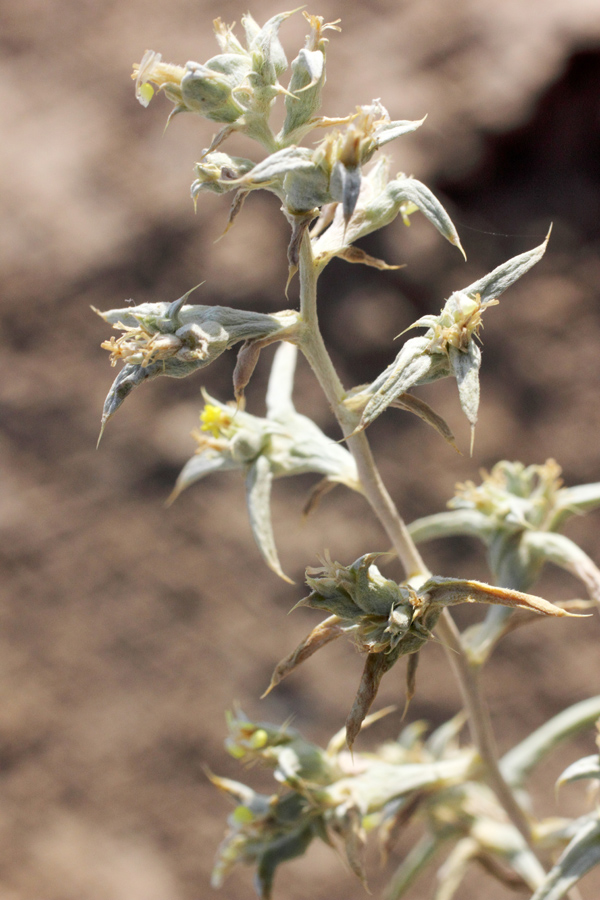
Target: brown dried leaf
(247, 358)
(323, 634)
(376, 665)
(314, 498)
(421, 409)
(356, 255)
(450, 591)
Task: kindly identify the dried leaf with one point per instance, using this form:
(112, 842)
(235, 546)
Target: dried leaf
(323, 634)
(376, 665)
(421, 409)
(354, 254)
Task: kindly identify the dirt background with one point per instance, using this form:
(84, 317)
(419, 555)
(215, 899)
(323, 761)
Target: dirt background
(126, 628)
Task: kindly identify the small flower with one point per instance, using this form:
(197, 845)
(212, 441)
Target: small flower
(281, 444)
(178, 338)
(387, 620)
(448, 348)
(152, 70)
(516, 512)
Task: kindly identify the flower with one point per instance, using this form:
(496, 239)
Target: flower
(516, 512)
(387, 620)
(178, 338)
(281, 444)
(448, 348)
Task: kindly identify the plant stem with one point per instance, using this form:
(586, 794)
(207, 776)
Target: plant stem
(480, 724)
(312, 345)
(314, 349)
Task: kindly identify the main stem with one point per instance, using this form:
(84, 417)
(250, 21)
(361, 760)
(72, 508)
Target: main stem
(313, 347)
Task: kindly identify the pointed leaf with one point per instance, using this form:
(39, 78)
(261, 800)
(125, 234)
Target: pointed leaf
(454, 869)
(357, 255)
(280, 850)
(588, 767)
(345, 187)
(573, 500)
(519, 762)
(504, 840)
(376, 665)
(450, 591)
(409, 189)
(465, 366)
(563, 552)
(451, 523)
(277, 166)
(200, 466)
(391, 130)
(304, 97)
(258, 497)
(382, 782)
(421, 409)
(323, 634)
(445, 736)
(581, 855)
(412, 366)
(417, 859)
(281, 382)
(495, 283)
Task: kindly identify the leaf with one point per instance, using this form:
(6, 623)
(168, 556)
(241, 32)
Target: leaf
(357, 255)
(573, 500)
(392, 130)
(421, 409)
(258, 497)
(412, 366)
(519, 762)
(496, 282)
(588, 767)
(304, 94)
(563, 552)
(278, 165)
(417, 859)
(453, 871)
(281, 382)
(451, 523)
(383, 782)
(439, 591)
(409, 189)
(345, 187)
(280, 850)
(200, 466)
(465, 366)
(323, 634)
(581, 855)
(376, 665)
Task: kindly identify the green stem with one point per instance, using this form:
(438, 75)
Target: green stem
(312, 345)
(314, 349)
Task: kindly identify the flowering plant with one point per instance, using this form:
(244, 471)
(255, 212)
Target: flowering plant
(334, 192)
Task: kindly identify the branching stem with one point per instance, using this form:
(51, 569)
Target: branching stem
(312, 345)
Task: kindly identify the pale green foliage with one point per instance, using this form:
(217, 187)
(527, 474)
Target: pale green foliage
(334, 191)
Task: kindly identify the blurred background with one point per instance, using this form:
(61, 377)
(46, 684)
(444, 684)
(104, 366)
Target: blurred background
(127, 628)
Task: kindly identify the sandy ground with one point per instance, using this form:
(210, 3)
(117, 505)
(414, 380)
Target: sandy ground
(126, 629)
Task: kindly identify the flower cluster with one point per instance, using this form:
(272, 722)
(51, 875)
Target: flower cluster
(516, 512)
(178, 338)
(387, 620)
(331, 795)
(281, 444)
(449, 347)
